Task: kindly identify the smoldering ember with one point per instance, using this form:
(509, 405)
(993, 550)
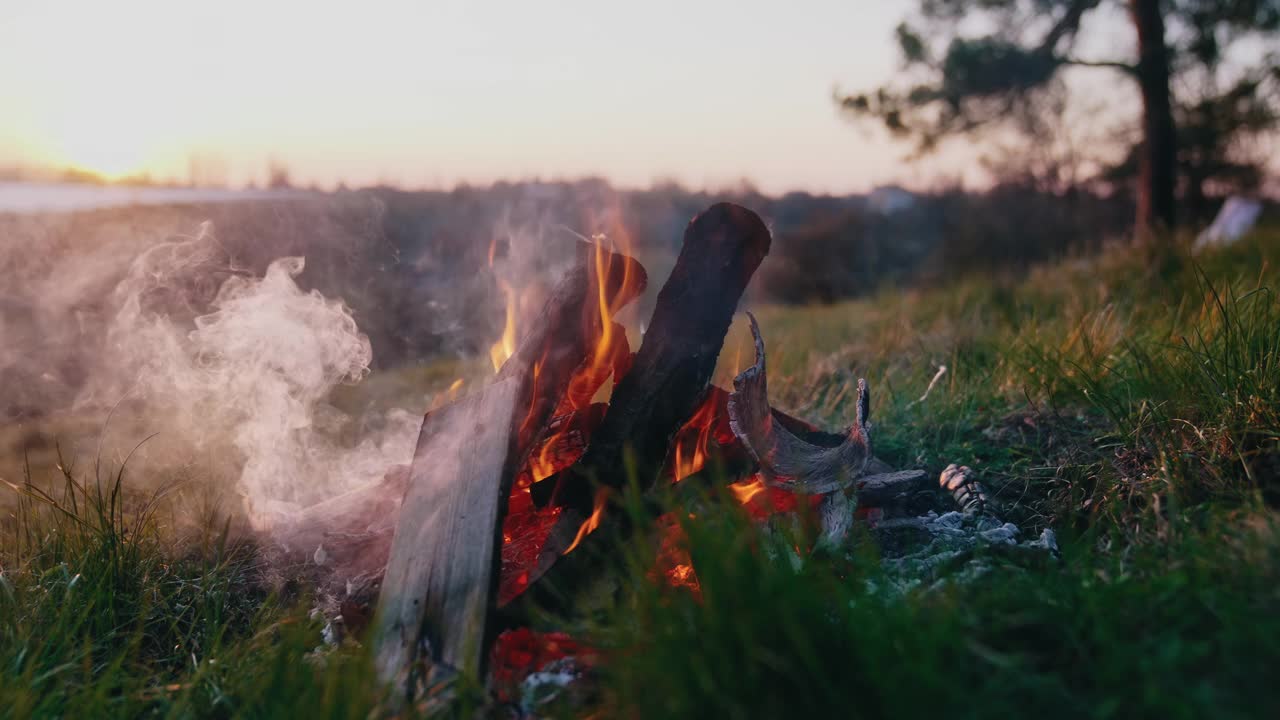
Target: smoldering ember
(516, 500)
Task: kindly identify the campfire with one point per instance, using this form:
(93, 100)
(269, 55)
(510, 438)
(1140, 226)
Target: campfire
(511, 485)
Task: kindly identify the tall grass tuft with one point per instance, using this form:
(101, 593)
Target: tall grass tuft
(106, 612)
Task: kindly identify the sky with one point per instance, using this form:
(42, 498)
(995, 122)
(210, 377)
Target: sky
(434, 93)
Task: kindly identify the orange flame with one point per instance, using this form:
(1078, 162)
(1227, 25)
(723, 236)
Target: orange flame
(673, 562)
(603, 302)
(593, 522)
(543, 465)
(527, 428)
(689, 452)
(506, 345)
(546, 462)
(683, 576)
(446, 396)
(744, 491)
(557, 443)
(611, 349)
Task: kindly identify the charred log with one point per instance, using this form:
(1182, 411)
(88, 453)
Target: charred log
(884, 488)
(441, 580)
(722, 248)
(787, 461)
(567, 333)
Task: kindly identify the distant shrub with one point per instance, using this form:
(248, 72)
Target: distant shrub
(1012, 226)
(824, 256)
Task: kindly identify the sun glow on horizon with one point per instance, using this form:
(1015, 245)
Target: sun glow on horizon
(434, 94)
(113, 101)
(112, 150)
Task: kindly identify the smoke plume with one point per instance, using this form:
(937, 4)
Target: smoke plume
(218, 359)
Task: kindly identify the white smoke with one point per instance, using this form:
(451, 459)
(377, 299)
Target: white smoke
(219, 361)
(112, 331)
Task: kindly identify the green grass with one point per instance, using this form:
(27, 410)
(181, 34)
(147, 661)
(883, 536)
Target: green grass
(1140, 358)
(105, 611)
(1131, 401)
(1170, 632)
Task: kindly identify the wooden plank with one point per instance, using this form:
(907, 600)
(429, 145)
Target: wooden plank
(440, 582)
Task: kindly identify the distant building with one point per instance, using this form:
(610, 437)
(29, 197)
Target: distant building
(890, 199)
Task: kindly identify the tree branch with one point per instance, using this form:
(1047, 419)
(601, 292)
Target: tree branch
(1068, 24)
(1111, 64)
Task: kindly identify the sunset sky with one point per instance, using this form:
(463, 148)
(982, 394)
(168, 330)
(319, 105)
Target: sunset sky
(432, 93)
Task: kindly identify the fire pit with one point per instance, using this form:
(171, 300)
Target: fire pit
(511, 485)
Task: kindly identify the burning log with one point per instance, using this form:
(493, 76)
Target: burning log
(438, 589)
(526, 526)
(568, 356)
(783, 452)
(574, 327)
(791, 463)
(353, 531)
(722, 248)
(507, 484)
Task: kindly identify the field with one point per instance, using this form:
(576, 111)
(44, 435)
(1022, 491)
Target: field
(1129, 400)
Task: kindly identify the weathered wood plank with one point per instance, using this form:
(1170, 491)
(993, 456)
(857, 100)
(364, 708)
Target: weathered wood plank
(441, 578)
(787, 461)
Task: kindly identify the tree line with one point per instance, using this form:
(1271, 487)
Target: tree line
(1205, 72)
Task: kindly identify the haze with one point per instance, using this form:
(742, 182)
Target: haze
(431, 94)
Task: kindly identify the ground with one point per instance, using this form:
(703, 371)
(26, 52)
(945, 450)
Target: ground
(1129, 401)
